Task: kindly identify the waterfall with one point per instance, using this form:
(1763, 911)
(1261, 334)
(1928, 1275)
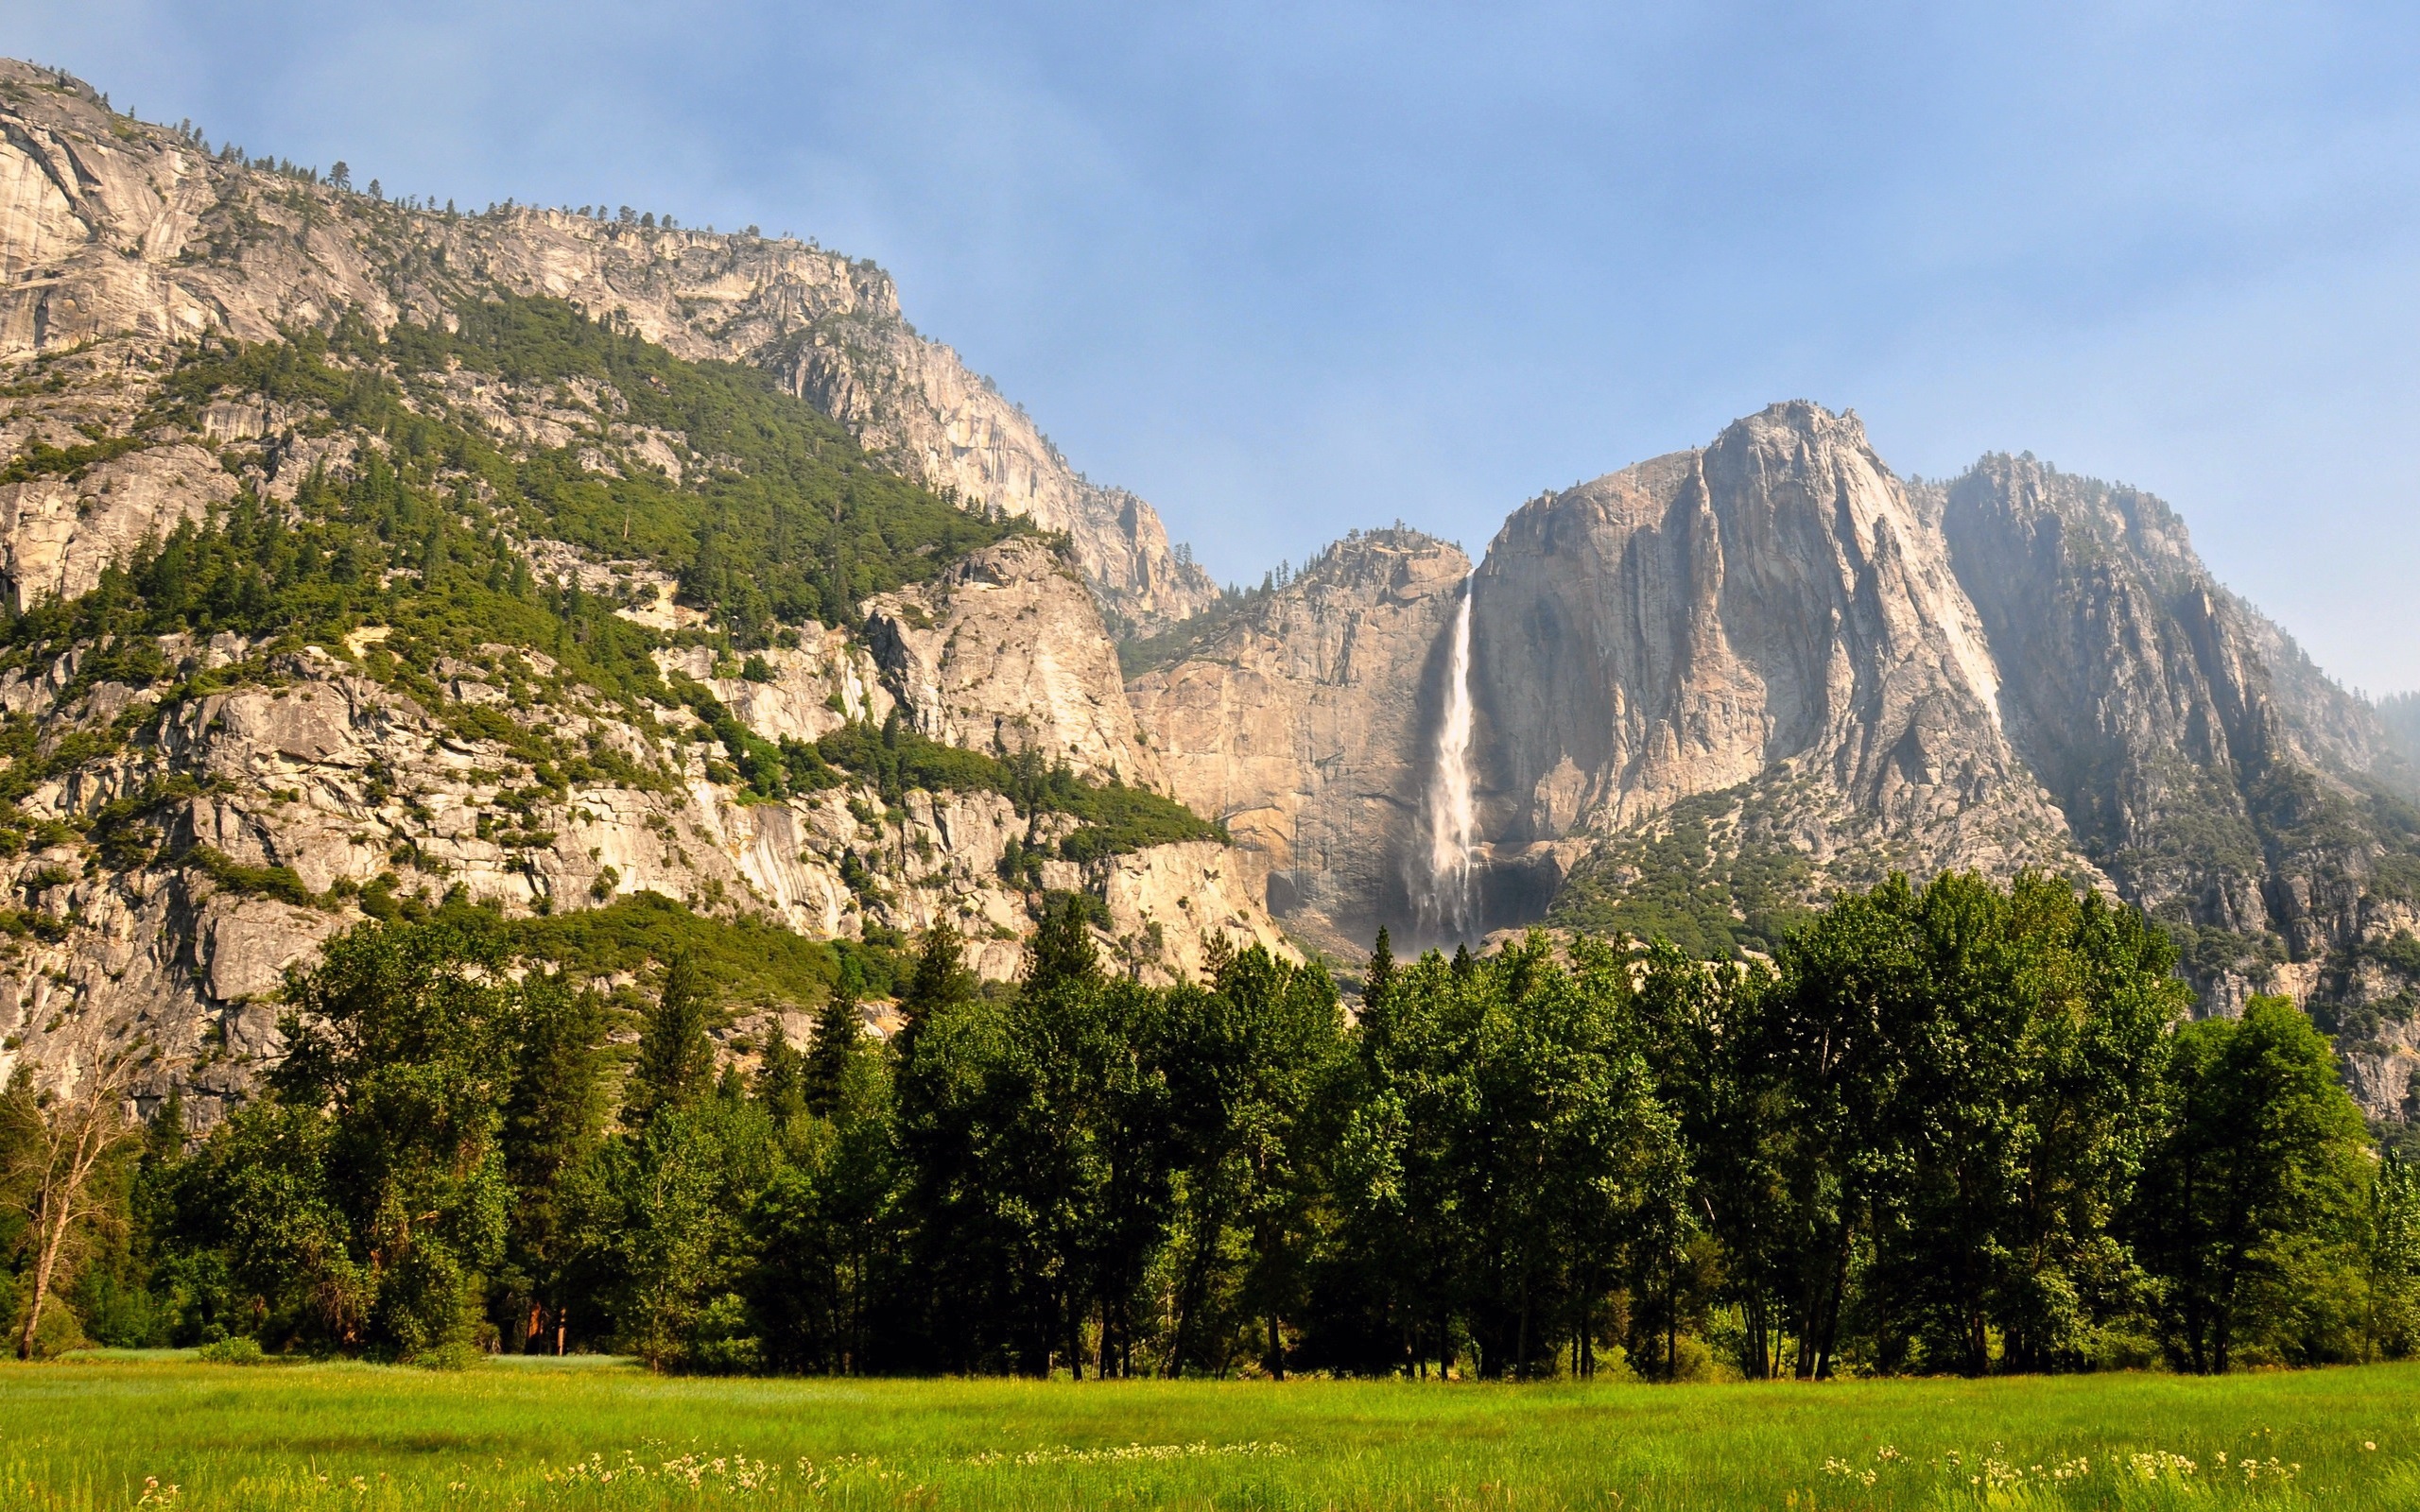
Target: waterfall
(1445, 895)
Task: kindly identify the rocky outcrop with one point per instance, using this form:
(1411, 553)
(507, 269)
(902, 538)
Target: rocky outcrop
(275, 810)
(2223, 782)
(1774, 615)
(914, 401)
(111, 229)
(1302, 726)
(187, 842)
(1712, 687)
(57, 533)
(1006, 652)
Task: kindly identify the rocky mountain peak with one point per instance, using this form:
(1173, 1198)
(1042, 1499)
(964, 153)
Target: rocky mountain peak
(456, 563)
(1770, 612)
(112, 228)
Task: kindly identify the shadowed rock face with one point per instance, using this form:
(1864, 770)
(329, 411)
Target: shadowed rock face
(1305, 726)
(2223, 782)
(1773, 611)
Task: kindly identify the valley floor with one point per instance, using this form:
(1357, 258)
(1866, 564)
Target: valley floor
(169, 1431)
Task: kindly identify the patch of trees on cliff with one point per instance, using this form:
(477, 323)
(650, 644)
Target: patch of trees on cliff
(1962, 1128)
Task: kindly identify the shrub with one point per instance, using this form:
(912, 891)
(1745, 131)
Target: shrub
(237, 1350)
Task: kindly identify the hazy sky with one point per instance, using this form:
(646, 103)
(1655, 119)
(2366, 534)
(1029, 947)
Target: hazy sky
(1289, 268)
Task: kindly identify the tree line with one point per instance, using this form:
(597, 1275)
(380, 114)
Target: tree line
(1961, 1128)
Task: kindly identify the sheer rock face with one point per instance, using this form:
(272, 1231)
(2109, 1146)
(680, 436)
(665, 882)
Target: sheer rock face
(1006, 651)
(1831, 674)
(2226, 785)
(1305, 726)
(1774, 613)
(57, 534)
(110, 228)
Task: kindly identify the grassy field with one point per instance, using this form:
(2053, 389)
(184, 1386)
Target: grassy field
(110, 1434)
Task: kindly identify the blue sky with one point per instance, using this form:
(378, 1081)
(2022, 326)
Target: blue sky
(1287, 268)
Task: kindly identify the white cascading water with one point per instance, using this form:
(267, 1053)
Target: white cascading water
(1450, 818)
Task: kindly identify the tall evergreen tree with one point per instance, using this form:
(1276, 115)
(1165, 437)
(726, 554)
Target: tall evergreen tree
(939, 982)
(553, 1121)
(676, 1059)
(837, 1031)
(781, 1079)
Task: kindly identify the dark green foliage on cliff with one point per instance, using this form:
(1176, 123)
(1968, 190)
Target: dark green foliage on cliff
(781, 518)
(1702, 876)
(1114, 820)
(744, 962)
(373, 549)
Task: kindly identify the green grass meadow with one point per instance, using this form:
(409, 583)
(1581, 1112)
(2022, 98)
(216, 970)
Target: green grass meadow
(108, 1434)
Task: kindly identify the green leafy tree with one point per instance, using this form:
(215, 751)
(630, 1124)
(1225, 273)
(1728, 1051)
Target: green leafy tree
(1247, 1061)
(668, 1206)
(553, 1122)
(827, 1232)
(395, 1079)
(2252, 1211)
(2395, 1259)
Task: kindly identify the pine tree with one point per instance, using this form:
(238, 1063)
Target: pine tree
(676, 1062)
(1377, 990)
(1062, 950)
(781, 1079)
(837, 1030)
(940, 981)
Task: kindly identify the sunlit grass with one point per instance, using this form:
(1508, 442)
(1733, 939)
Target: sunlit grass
(582, 1434)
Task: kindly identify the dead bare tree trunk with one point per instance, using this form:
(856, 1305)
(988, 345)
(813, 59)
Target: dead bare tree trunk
(62, 1142)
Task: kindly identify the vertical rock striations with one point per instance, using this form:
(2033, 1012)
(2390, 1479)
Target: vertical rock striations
(2227, 787)
(1304, 724)
(1711, 688)
(1773, 620)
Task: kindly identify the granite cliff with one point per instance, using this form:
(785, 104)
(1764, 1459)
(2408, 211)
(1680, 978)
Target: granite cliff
(112, 230)
(366, 560)
(1304, 724)
(1707, 690)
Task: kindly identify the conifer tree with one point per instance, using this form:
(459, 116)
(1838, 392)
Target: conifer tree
(837, 1031)
(1378, 990)
(780, 1081)
(940, 981)
(676, 1062)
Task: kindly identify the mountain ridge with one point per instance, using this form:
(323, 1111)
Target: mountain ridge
(357, 570)
(1713, 686)
(365, 557)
